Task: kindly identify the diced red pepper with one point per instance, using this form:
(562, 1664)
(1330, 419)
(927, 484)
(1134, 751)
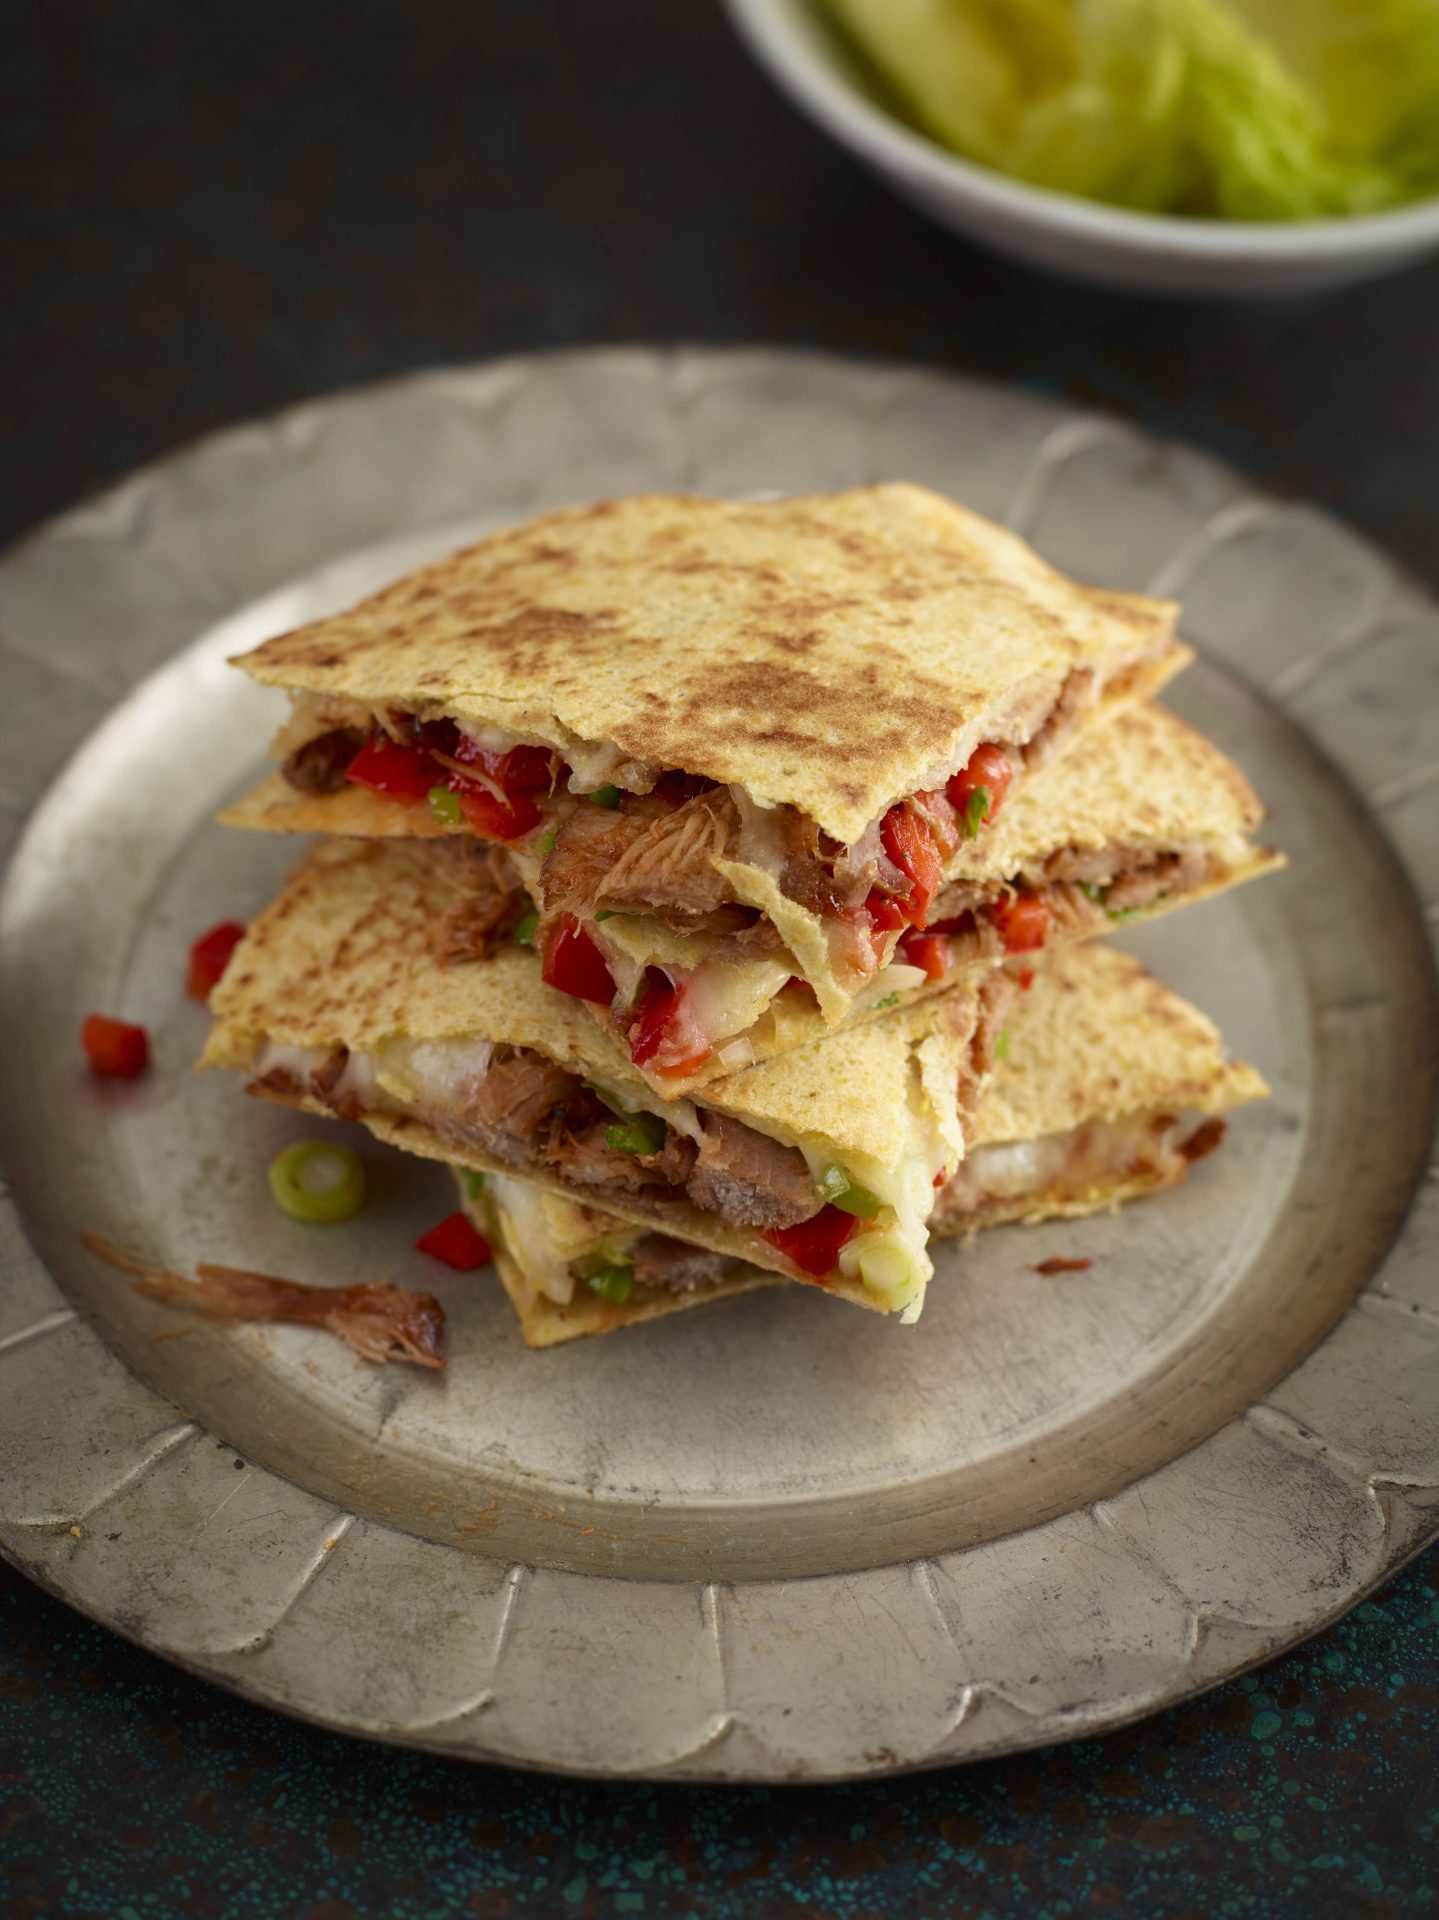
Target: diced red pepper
(401, 773)
(457, 1242)
(664, 1034)
(1026, 979)
(928, 951)
(813, 1246)
(909, 842)
(495, 819)
(1023, 923)
(574, 964)
(988, 768)
(209, 958)
(117, 1050)
(527, 770)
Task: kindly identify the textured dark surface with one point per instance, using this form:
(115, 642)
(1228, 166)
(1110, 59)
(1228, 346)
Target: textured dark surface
(209, 212)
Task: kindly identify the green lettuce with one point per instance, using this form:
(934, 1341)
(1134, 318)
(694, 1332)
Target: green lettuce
(1231, 109)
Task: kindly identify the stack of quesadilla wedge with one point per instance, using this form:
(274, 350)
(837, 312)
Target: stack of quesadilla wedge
(684, 860)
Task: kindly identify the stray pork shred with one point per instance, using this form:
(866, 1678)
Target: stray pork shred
(380, 1322)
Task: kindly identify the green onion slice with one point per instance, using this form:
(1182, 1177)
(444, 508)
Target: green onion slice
(604, 797)
(314, 1180)
(884, 1265)
(524, 933)
(848, 1195)
(547, 845)
(976, 812)
(640, 1133)
(889, 1000)
(445, 807)
(473, 1182)
(614, 1284)
(1002, 1042)
(1092, 891)
(1125, 913)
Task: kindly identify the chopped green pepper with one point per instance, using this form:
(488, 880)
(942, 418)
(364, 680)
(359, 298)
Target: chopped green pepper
(848, 1195)
(604, 797)
(318, 1182)
(445, 807)
(524, 933)
(640, 1133)
(614, 1284)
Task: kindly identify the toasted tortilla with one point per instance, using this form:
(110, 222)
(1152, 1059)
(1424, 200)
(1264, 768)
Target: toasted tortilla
(343, 958)
(831, 652)
(1097, 1042)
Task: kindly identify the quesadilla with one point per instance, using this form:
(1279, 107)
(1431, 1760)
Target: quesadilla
(1108, 1087)
(1140, 816)
(821, 1164)
(767, 730)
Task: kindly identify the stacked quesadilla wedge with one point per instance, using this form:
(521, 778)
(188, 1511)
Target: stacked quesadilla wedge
(337, 1001)
(1107, 1087)
(764, 736)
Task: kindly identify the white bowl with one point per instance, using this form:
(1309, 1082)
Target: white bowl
(1157, 252)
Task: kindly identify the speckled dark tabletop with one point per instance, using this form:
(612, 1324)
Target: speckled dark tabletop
(209, 212)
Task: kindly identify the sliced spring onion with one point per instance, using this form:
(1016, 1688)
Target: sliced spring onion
(1002, 1041)
(614, 1284)
(1092, 891)
(316, 1181)
(641, 1133)
(524, 933)
(604, 797)
(473, 1183)
(445, 807)
(848, 1195)
(547, 845)
(605, 913)
(889, 1000)
(976, 812)
(884, 1265)
(1125, 913)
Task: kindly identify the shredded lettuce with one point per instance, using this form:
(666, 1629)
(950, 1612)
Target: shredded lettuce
(1231, 109)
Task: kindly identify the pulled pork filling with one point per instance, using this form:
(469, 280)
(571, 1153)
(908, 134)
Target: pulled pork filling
(1006, 1181)
(517, 1108)
(995, 1183)
(647, 843)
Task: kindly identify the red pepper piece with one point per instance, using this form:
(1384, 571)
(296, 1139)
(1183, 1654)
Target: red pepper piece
(1023, 923)
(117, 1050)
(209, 957)
(928, 951)
(527, 770)
(664, 1033)
(401, 773)
(1026, 980)
(813, 1246)
(989, 768)
(574, 964)
(909, 842)
(494, 819)
(457, 1243)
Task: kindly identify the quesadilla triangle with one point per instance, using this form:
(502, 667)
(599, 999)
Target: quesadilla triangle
(1140, 816)
(771, 727)
(1108, 1087)
(821, 1165)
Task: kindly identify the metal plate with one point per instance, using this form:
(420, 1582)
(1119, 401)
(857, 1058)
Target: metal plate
(777, 1539)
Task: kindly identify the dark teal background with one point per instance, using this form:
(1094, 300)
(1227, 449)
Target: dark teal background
(207, 212)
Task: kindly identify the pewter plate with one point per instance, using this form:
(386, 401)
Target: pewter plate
(779, 1539)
